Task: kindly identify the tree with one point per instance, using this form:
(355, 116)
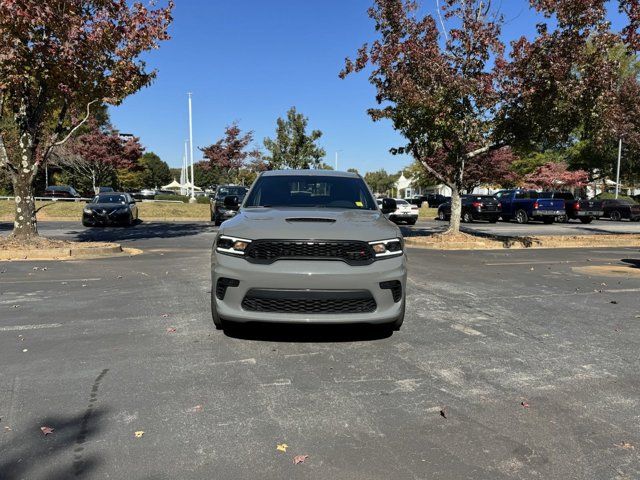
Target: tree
(353, 170)
(230, 154)
(293, 147)
(58, 58)
(155, 171)
(380, 181)
(96, 155)
(441, 96)
(574, 87)
(555, 175)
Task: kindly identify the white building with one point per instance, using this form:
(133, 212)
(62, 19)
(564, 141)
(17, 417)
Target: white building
(404, 188)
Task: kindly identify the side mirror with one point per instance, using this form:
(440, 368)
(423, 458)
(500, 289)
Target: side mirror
(232, 202)
(389, 205)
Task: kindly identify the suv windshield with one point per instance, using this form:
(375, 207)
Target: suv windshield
(109, 199)
(222, 192)
(315, 191)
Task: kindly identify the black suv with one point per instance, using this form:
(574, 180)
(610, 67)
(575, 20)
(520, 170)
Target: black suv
(221, 212)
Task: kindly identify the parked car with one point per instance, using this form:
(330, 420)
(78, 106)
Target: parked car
(221, 212)
(114, 208)
(621, 208)
(584, 210)
(60, 191)
(309, 246)
(405, 212)
(435, 200)
(474, 207)
(525, 205)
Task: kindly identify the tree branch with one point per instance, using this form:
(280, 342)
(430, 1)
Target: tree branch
(71, 132)
(485, 149)
(418, 157)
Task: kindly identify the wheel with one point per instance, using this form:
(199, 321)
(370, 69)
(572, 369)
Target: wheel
(217, 321)
(562, 219)
(548, 220)
(522, 217)
(616, 216)
(130, 220)
(86, 224)
(467, 217)
(216, 221)
(586, 220)
(441, 215)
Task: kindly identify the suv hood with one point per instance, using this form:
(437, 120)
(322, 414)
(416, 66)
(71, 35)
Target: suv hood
(312, 224)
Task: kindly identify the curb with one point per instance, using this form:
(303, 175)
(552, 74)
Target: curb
(61, 253)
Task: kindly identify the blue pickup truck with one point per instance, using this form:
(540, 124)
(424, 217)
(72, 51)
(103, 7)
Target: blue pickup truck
(525, 205)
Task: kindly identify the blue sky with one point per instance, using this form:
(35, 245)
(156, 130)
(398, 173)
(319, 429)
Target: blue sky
(250, 60)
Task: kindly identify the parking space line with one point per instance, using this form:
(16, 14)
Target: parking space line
(467, 330)
(16, 328)
(550, 262)
(61, 280)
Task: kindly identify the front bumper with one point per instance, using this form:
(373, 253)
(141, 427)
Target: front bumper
(105, 219)
(316, 275)
(403, 217)
(588, 213)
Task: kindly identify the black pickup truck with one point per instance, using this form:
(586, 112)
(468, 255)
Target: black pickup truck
(584, 210)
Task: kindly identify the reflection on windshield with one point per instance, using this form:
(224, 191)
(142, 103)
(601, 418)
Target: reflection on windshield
(109, 199)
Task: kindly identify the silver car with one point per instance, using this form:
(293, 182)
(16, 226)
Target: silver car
(309, 246)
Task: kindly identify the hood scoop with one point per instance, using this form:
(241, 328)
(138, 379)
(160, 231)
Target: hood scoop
(310, 220)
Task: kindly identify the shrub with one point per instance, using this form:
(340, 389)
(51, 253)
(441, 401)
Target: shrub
(182, 198)
(612, 196)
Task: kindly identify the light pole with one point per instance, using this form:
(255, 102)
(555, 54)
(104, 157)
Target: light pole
(618, 169)
(193, 183)
(337, 158)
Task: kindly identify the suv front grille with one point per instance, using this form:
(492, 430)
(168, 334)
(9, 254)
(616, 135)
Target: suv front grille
(268, 251)
(309, 301)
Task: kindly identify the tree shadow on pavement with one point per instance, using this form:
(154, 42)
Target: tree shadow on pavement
(58, 456)
(141, 231)
(296, 333)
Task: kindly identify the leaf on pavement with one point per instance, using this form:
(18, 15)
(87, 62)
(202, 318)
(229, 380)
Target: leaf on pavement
(299, 459)
(196, 409)
(524, 404)
(171, 330)
(139, 434)
(165, 315)
(47, 430)
(444, 411)
(626, 446)
(282, 447)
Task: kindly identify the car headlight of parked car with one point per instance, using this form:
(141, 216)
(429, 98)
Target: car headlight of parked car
(387, 248)
(231, 245)
(87, 210)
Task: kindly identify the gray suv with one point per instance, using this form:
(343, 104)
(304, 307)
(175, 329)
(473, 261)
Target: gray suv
(309, 246)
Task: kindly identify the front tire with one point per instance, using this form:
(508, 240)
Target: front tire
(586, 220)
(441, 216)
(522, 217)
(616, 216)
(467, 217)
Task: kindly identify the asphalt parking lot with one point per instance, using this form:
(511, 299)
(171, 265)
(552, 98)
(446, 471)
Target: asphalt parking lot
(532, 355)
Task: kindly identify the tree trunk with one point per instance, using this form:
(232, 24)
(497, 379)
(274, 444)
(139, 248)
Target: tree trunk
(456, 211)
(25, 226)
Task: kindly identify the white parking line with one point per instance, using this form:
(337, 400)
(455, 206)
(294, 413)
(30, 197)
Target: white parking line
(246, 361)
(467, 330)
(15, 328)
(61, 280)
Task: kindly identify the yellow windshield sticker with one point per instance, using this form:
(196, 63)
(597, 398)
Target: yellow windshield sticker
(358, 204)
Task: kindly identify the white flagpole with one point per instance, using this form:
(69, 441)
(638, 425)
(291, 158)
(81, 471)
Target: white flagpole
(193, 183)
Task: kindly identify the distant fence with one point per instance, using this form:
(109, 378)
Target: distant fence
(62, 199)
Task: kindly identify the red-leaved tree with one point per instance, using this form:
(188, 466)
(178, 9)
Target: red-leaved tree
(96, 154)
(57, 59)
(441, 94)
(230, 153)
(556, 176)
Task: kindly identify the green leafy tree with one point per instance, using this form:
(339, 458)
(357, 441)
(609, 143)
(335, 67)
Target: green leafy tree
(155, 171)
(292, 146)
(353, 170)
(380, 181)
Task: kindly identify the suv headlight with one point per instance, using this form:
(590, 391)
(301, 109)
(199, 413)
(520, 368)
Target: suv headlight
(387, 248)
(231, 245)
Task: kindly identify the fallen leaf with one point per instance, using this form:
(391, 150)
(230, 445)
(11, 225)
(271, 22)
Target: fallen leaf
(8, 429)
(282, 447)
(299, 459)
(171, 330)
(613, 302)
(444, 412)
(139, 434)
(165, 315)
(524, 404)
(16, 306)
(46, 430)
(626, 446)
(196, 409)
(532, 269)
